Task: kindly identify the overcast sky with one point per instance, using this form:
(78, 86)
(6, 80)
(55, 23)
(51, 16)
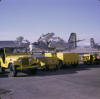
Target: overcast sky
(31, 18)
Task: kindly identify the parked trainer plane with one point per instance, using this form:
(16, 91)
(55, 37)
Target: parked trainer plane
(49, 42)
(93, 48)
(93, 44)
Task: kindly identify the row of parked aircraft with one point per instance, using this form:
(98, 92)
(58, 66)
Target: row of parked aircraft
(49, 42)
(93, 44)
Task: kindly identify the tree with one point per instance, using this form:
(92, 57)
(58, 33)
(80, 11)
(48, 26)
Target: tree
(20, 39)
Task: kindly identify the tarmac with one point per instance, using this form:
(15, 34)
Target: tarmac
(82, 82)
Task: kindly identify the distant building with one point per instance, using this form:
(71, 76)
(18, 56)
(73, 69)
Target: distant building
(11, 44)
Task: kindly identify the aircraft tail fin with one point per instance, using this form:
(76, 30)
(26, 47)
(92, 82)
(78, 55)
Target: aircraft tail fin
(92, 42)
(72, 42)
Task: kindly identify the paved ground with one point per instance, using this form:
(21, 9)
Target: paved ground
(80, 83)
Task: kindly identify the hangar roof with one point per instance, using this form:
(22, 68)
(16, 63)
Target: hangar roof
(4, 44)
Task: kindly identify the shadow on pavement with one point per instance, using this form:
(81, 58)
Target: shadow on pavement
(68, 70)
(3, 75)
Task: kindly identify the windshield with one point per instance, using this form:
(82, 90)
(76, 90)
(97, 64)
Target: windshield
(16, 50)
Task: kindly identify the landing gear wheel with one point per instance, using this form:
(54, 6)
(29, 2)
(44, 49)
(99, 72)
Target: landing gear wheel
(12, 71)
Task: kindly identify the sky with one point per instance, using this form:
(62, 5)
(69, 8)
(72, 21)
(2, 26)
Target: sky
(32, 18)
